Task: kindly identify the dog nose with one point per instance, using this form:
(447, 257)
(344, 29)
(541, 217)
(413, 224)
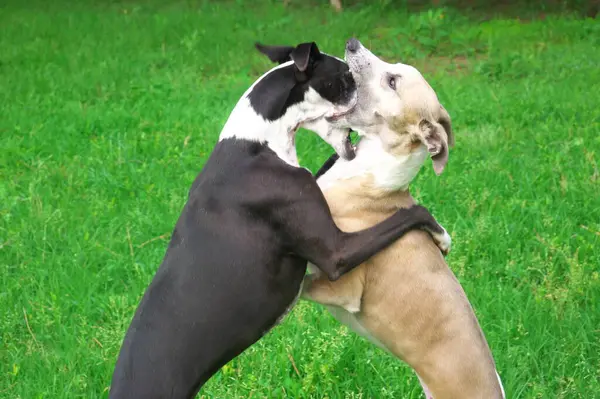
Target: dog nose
(352, 45)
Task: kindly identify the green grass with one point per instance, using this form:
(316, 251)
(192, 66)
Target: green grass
(108, 110)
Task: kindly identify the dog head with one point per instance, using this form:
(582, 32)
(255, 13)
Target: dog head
(321, 86)
(397, 104)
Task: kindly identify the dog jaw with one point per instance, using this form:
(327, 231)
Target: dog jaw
(331, 125)
(336, 137)
(340, 111)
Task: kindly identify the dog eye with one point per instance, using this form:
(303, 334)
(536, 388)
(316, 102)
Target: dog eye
(392, 82)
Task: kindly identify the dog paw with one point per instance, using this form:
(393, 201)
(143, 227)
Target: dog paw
(443, 241)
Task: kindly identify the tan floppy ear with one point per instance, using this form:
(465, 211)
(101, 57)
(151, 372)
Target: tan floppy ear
(438, 137)
(446, 123)
(435, 138)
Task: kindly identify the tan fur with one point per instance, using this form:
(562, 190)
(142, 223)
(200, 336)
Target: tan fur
(405, 298)
(409, 300)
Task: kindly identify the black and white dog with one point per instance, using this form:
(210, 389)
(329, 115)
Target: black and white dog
(238, 253)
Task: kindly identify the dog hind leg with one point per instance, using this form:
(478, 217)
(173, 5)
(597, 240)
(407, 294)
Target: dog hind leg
(426, 391)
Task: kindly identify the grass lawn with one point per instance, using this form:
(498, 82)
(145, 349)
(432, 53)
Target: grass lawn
(108, 110)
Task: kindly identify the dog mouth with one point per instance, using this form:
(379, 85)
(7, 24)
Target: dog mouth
(339, 114)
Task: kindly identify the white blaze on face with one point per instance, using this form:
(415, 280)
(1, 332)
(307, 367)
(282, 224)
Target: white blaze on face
(279, 135)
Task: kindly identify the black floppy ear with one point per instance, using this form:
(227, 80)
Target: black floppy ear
(303, 54)
(278, 54)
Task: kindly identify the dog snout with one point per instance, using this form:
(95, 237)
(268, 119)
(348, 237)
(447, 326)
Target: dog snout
(352, 45)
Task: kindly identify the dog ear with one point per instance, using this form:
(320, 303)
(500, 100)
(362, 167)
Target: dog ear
(447, 125)
(436, 139)
(278, 54)
(303, 56)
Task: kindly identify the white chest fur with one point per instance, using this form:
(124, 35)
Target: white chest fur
(389, 172)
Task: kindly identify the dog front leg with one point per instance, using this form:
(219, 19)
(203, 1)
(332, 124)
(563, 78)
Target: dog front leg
(312, 234)
(352, 249)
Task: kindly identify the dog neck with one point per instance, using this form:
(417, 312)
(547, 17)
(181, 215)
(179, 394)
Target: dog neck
(390, 173)
(244, 123)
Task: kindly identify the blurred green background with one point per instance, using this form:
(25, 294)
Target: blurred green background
(108, 110)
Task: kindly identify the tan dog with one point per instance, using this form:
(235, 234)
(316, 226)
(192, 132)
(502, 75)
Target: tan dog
(405, 299)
